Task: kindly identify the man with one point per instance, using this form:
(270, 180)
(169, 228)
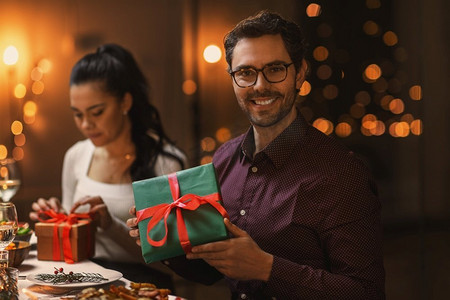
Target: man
(304, 215)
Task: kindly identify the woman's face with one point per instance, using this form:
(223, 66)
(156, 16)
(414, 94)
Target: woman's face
(99, 116)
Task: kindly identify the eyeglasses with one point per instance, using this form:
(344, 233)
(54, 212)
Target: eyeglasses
(247, 77)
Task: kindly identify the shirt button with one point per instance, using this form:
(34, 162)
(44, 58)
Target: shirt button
(243, 296)
(242, 212)
(166, 262)
(254, 169)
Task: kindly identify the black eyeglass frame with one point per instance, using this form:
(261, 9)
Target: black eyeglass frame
(286, 65)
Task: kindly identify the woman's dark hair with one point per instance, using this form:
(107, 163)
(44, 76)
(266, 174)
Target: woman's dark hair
(266, 22)
(118, 73)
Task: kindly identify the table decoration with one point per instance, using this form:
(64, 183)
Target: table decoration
(60, 278)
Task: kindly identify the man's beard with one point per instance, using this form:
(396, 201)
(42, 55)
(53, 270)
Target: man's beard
(267, 119)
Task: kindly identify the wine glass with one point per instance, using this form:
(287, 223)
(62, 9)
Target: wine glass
(9, 179)
(8, 229)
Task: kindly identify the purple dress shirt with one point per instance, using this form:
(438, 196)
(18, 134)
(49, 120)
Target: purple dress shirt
(313, 205)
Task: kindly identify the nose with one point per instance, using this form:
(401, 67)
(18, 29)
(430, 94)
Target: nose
(261, 81)
(86, 123)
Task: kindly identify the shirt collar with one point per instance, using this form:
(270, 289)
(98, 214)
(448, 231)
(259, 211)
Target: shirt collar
(280, 149)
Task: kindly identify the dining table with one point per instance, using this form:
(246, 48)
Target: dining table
(30, 289)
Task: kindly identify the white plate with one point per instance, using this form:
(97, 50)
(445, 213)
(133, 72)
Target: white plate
(110, 275)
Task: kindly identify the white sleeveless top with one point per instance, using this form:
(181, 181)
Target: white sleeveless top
(114, 244)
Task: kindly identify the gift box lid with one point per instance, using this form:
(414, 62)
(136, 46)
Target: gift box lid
(78, 230)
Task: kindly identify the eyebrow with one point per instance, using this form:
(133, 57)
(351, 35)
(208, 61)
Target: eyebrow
(275, 62)
(90, 107)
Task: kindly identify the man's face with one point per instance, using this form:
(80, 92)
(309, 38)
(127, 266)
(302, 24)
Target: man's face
(265, 103)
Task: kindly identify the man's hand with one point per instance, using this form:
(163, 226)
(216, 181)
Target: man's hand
(238, 257)
(132, 224)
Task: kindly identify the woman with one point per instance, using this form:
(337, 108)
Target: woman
(125, 142)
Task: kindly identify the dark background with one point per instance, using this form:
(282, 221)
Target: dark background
(168, 38)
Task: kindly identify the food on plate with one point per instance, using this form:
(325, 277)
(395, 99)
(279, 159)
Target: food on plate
(141, 291)
(11, 246)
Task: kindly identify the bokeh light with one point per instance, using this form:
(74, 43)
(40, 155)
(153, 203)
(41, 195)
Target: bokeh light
(189, 87)
(20, 91)
(416, 127)
(323, 125)
(29, 119)
(390, 38)
(408, 118)
(10, 55)
(212, 54)
(36, 74)
(208, 144)
(313, 10)
(206, 159)
(29, 108)
(330, 92)
(45, 65)
(223, 134)
(371, 28)
(20, 140)
(18, 153)
(380, 85)
(385, 100)
(37, 87)
(343, 129)
(372, 72)
(324, 72)
(320, 53)
(305, 89)
(415, 92)
(357, 110)
(16, 127)
(362, 97)
(3, 152)
(396, 106)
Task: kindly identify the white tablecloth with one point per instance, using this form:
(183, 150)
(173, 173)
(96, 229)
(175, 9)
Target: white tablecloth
(31, 265)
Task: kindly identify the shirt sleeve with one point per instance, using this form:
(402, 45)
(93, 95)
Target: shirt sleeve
(350, 232)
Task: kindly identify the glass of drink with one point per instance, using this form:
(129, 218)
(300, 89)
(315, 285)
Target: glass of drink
(8, 229)
(9, 179)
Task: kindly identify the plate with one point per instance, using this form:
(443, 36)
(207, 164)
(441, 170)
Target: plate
(110, 275)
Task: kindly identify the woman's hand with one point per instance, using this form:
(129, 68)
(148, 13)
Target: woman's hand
(44, 204)
(132, 224)
(98, 210)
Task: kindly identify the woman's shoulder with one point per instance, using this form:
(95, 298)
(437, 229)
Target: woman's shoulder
(166, 164)
(80, 149)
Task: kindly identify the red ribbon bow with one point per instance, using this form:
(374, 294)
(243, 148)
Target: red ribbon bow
(188, 201)
(59, 218)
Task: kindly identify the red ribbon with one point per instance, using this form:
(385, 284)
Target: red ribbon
(59, 218)
(188, 201)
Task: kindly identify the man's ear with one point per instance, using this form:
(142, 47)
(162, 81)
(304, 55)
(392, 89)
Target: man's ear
(301, 75)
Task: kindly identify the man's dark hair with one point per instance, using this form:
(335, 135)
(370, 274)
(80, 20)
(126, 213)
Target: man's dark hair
(266, 22)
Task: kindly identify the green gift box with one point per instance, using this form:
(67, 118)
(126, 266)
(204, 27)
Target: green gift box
(177, 211)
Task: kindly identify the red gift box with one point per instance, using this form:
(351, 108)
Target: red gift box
(62, 237)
